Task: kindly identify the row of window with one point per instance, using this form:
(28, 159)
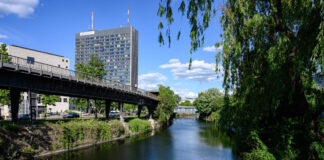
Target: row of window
(106, 36)
(108, 41)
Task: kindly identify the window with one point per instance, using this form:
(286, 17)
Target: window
(66, 61)
(62, 60)
(30, 60)
(59, 66)
(60, 100)
(65, 99)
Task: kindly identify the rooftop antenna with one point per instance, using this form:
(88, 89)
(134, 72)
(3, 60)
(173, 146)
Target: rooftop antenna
(128, 16)
(92, 21)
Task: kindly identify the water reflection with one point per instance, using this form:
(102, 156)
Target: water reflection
(186, 139)
(211, 135)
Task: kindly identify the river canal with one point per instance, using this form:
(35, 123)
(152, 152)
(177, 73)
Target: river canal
(187, 139)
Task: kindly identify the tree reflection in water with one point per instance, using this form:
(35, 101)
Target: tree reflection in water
(213, 136)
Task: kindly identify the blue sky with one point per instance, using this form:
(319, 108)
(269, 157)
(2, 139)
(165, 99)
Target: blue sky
(51, 26)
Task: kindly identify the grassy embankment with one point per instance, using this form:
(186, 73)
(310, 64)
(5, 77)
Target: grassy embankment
(18, 141)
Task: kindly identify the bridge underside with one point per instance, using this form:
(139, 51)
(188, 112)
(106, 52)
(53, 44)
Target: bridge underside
(21, 80)
(65, 87)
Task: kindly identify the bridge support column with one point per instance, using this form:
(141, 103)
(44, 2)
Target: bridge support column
(150, 109)
(32, 106)
(108, 104)
(139, 110)
(121, 108)
(14, 98)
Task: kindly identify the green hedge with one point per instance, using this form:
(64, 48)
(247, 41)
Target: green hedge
(138, 125)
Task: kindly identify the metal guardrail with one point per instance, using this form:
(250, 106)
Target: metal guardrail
(47, 69)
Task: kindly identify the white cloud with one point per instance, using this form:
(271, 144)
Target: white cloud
(212, 48)
(151, 81)
(185, 93)
(22, 8)
(3, 36)
(200, 70)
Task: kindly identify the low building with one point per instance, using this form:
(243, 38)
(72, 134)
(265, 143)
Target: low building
(32, 56)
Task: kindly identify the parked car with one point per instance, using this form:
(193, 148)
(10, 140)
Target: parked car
(113, 114)
(23, 117)
(71, 115)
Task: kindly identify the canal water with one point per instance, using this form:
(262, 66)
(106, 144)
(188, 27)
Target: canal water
(187, 139)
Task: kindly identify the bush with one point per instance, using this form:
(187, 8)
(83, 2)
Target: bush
(117, 128)
(259, 149)
(214, 116)
(141, 126)
(317, 150)
(76, 132)
(259, 154)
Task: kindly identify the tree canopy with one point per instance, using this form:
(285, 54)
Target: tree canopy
(208, 102)
(49, 100)
(4, 56)
(93, 70)
(186, 103)
(271, 51)
(167, 104)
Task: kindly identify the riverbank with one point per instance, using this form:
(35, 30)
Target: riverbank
(18, 141)
(188, 138)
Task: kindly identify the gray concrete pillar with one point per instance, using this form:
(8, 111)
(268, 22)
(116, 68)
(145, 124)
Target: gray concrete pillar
(14, 101)
(121, 108)
(108, 104)
(32, 106)
(139, 110)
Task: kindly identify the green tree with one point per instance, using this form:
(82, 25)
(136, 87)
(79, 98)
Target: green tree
(130, 108)
(271, 50)
(4, 98)
(4, 94)
(208, 102)
(93, 70)
(49, 100)
(186, 103)
(178, 98)
(80, 103)
(4, 56)
(166, 105)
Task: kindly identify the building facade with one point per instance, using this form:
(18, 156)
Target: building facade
(33, 56)
(117, 48)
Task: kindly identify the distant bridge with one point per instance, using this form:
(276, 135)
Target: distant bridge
(18, 74)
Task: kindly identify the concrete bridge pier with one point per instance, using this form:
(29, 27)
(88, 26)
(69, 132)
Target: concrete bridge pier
(121, 108)
(139, 110)
(32, 106)
(14, 101)
(108, 104)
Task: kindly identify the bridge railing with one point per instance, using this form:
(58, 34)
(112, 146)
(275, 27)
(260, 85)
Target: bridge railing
(57, 71)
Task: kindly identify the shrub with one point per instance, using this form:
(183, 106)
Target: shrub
(138, 125)
(317, 149)
(76, 132)
(258, 154)
(117, 128)
(214, 116)
(259, 149)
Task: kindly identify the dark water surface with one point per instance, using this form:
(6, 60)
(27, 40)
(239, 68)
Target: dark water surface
(186, 139)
